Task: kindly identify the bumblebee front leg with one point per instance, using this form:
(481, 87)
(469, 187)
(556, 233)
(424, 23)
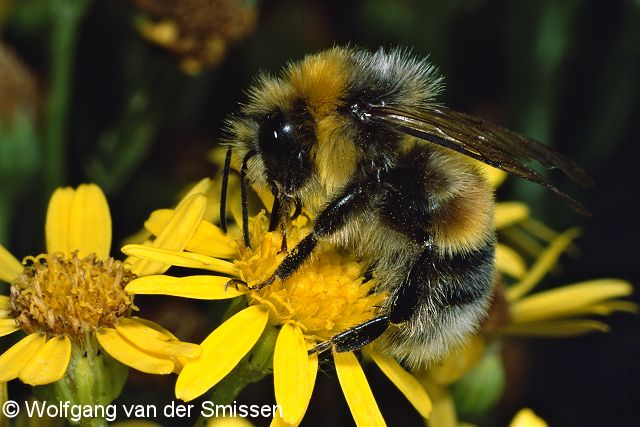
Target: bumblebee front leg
(353, 199)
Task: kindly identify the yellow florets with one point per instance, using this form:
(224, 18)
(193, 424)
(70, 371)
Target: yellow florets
(327, 295)
(57, 294)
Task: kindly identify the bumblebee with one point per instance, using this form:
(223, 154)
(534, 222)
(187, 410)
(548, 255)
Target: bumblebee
(356, 138)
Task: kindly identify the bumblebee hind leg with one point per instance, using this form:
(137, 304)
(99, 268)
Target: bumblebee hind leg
(403, 306)
(355, 337)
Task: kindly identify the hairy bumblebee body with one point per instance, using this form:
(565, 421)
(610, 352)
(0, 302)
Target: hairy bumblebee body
(356, 138)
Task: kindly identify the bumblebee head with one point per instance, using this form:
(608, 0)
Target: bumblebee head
(284, 146)
(294, 126)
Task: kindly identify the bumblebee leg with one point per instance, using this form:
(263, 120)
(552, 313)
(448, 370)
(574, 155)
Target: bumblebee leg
(292, 261)
(408, 295)
(403, 305)
(356, 337)
(244, 185)
(223, 190)
(352, 200)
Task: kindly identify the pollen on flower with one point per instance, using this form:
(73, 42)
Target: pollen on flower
(327, 295)
(57, 294)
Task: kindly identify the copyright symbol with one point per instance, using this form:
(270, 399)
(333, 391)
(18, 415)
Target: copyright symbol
(10, 408)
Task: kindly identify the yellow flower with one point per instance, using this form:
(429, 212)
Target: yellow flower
(73, 295)
(561, 311)
(324, 297)
(558, 312)
(527, 418)
(198, 31)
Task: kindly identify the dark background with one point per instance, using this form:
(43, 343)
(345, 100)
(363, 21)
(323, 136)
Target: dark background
(563, 72)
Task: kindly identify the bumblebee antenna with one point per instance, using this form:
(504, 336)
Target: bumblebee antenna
(244, 196)
(223, 191)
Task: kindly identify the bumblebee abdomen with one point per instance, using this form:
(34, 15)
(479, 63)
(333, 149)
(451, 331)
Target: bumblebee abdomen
(431, 241)
(438, 196)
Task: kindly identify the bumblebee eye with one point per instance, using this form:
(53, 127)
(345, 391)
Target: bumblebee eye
(283, 152)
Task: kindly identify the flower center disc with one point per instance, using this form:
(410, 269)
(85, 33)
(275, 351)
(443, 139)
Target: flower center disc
(58, 294)
(325, 296)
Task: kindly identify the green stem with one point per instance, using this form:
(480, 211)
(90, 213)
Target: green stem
(66, 16)
(6, 202)
(92, 378)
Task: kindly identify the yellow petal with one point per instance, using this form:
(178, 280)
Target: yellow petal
(312, 370)
(210, 240)
(228, 422)
(312, 360)
(139, 236)
(222, 350)
(89, 222)
(567, 300)
(444, 410)
(13, 360)
(509, 213)
(135, 423)
(4, 302)
(234, 202)
(290, 373)
(543, 264)
(406, 383)
(155, 342)
(495, 177)
(509, 262)
(49, 363)
(8, 326)
(126, 352)
(154, 325)
(201, 187)
(57, 223)
(355, 387)
(526, 418)
(176, 234)
(183, 223)
(180, 259)
(207, 240)
(276, 421)
(197, 287)
(606, 308)
(522, 241)
(540, 230)
(556, 328)
(10, 267)
(179, 360)
(458, 362)
(266, 197)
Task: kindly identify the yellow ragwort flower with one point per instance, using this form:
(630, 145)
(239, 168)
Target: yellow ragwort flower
(562, 311)
(556, 312)
(324, 297)
(527, 418)
(74, 293)
(198, 31)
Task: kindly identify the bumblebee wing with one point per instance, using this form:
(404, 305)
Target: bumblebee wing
(481, 140)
